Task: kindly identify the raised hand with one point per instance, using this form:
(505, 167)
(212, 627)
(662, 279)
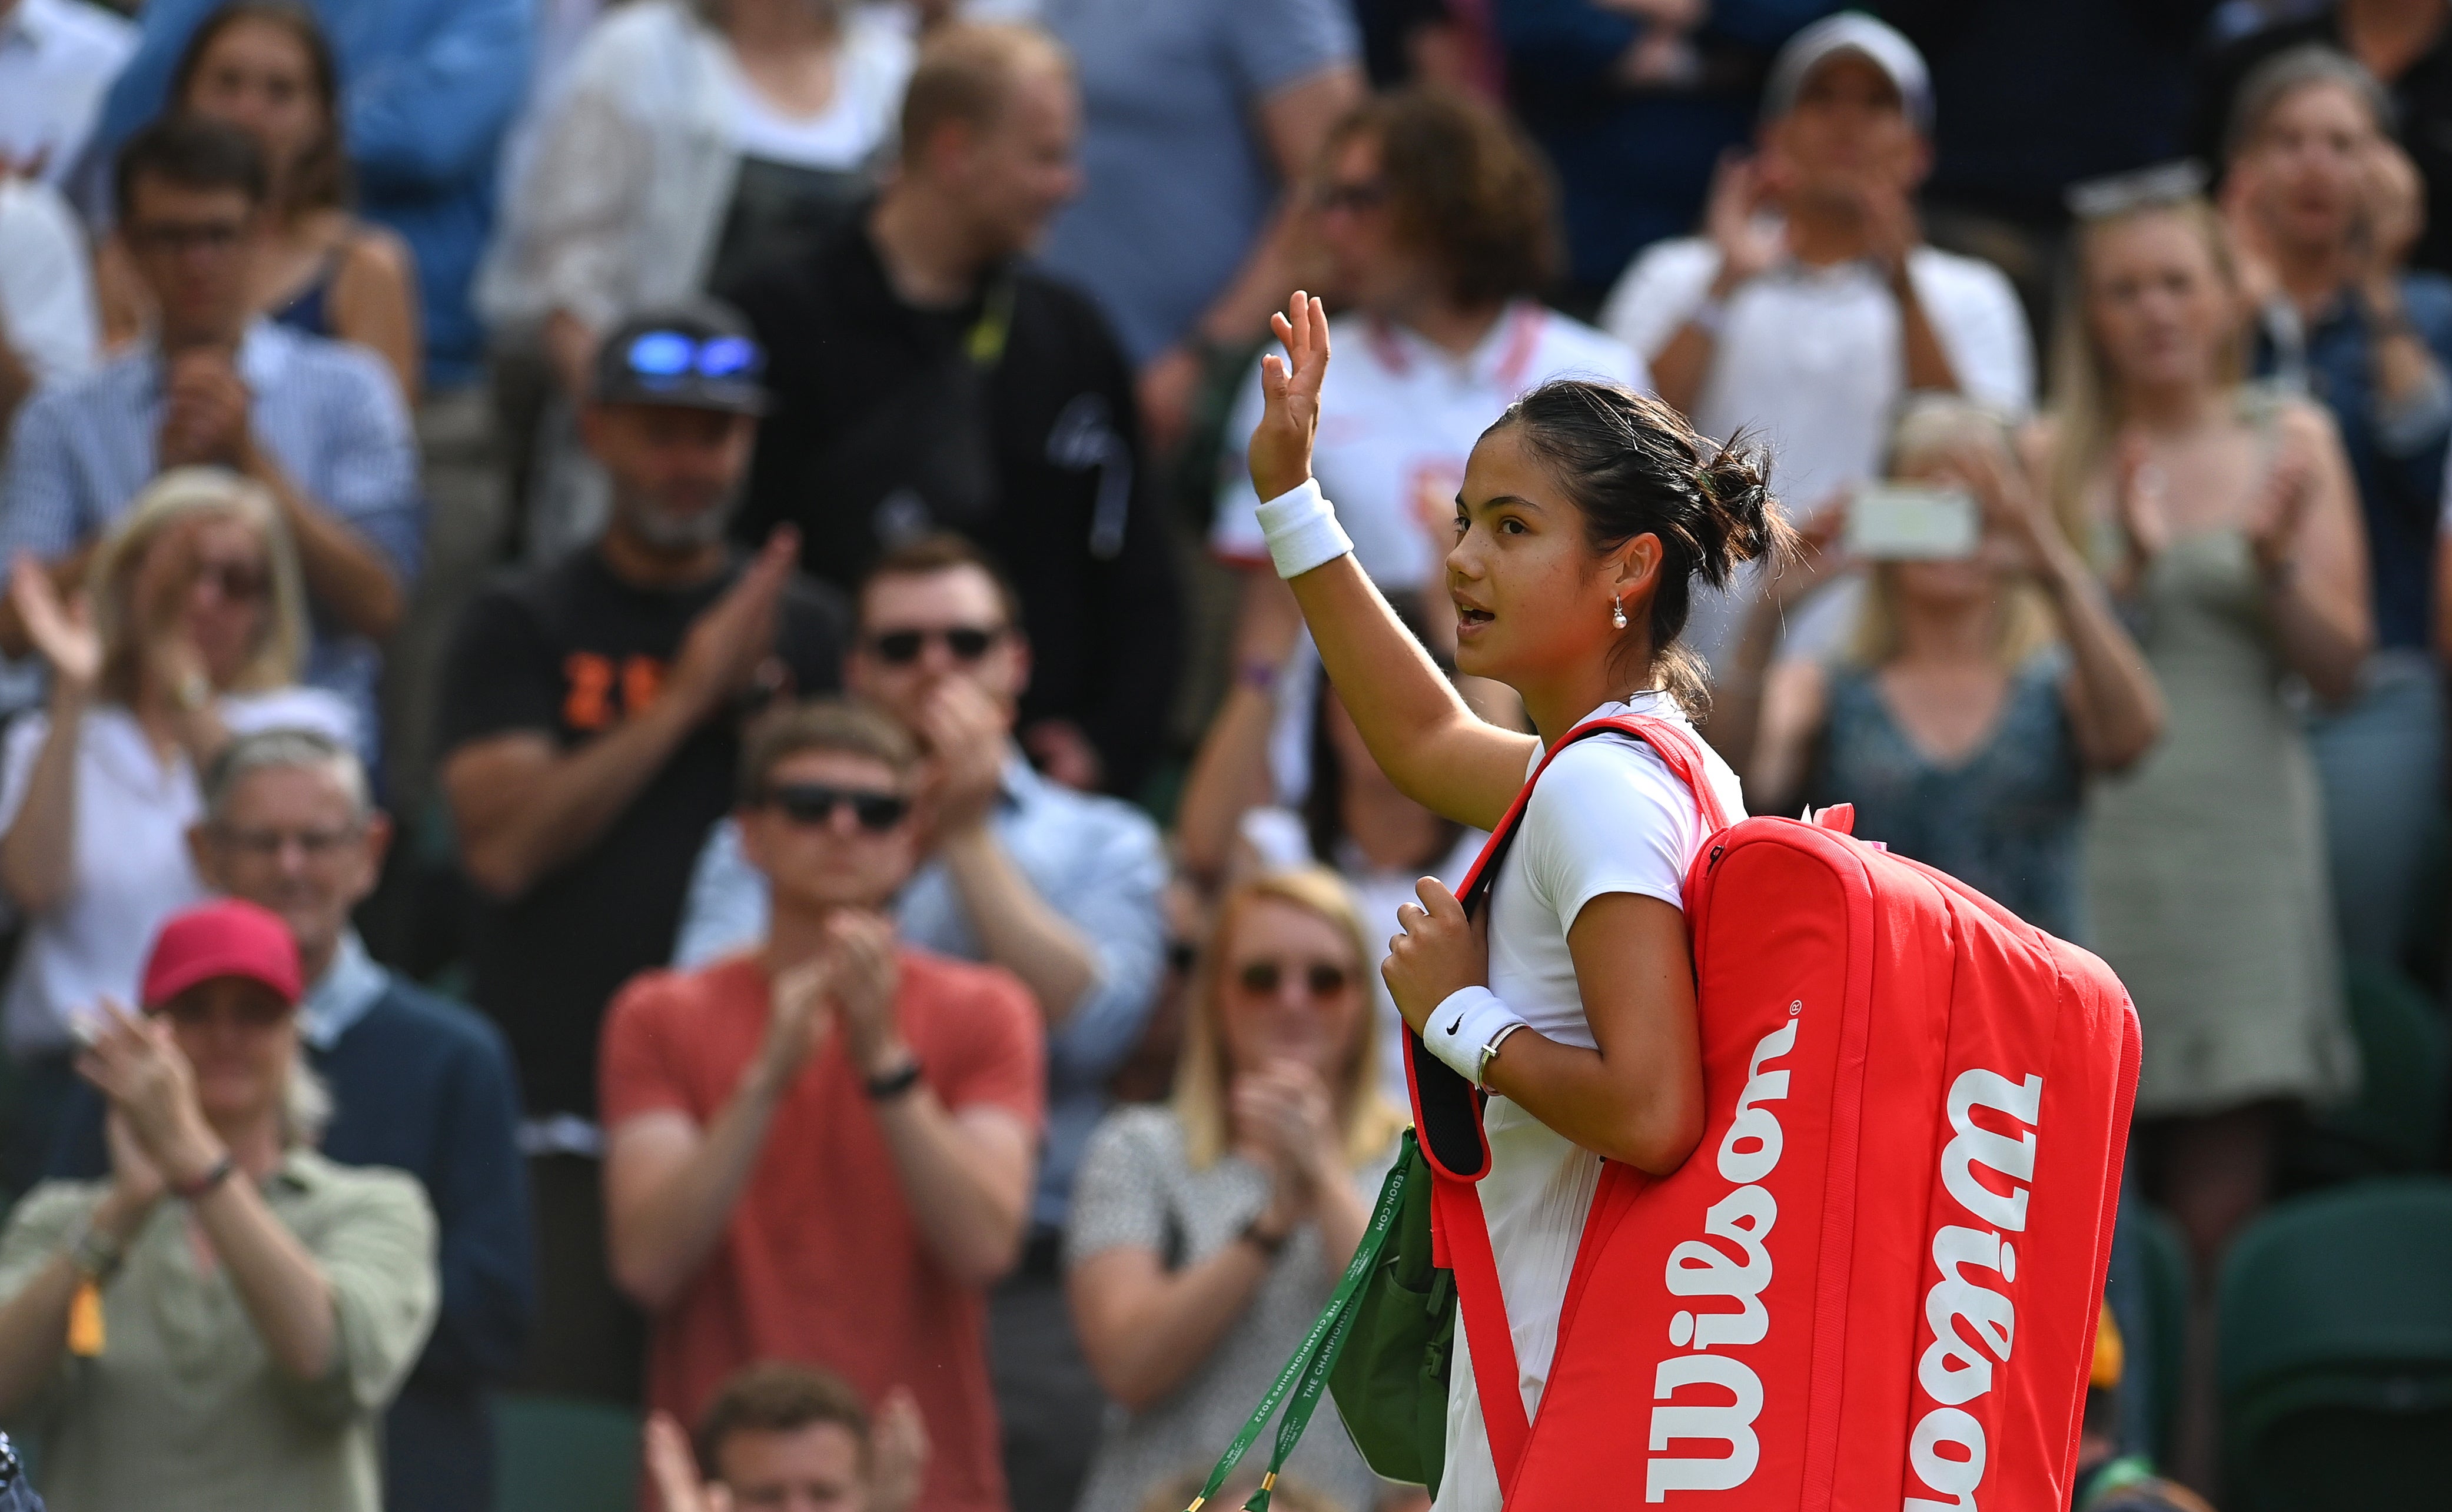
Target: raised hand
(673, 1467)
(898, 1452)
(1821, 555)
(1289, 386)
(966, 732)
(204, 412)
(2140, 499)
(136, 1064)
(2012, 505)
(2393, 211)
(63, 631)
(733, 639)
(1732, 219)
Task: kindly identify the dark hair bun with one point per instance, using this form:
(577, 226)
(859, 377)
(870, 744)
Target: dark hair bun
(1634, 467)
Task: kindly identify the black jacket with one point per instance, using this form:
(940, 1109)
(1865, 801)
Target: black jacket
(1010, 420)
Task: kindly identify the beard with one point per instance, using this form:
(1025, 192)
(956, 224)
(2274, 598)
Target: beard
(667, 529)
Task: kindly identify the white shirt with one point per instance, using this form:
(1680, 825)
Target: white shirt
(1608, 816)
(129, 856)
(1810, 361)
(1397, 418)
(870, 72)
(47, 311)
(58, 58)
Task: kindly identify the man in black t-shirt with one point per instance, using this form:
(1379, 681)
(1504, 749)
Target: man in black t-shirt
(925, 381)
(591, 726)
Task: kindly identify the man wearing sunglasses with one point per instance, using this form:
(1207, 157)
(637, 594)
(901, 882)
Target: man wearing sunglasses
(1060, 887)
(591, 730)
(319, 423)
(819, 1149)
(927, 378)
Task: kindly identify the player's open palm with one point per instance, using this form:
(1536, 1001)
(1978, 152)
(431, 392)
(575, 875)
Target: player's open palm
(1280, 451)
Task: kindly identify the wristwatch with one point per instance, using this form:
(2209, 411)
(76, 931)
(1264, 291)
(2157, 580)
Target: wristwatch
(95, 1255)
(893, 1083)
(1266, 1244)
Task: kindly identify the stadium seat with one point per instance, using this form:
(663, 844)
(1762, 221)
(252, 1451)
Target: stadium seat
(2169, 1290)
(2336, 1351)
(2395, 1126)
(555, 1454)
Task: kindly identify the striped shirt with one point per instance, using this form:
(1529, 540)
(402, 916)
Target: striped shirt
(327, 412)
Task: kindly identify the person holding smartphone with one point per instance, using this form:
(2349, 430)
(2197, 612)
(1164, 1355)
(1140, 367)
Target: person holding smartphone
(1986, 676)
(1587, 515)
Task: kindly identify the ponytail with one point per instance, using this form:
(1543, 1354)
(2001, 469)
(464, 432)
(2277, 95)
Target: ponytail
(1633, 466)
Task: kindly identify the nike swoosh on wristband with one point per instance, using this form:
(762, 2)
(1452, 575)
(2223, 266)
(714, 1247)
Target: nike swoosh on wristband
(1457, 1025)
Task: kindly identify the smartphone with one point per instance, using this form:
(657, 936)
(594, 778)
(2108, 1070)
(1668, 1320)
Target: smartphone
(1912, 522)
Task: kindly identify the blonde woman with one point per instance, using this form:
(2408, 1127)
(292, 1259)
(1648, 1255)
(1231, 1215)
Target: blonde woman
(1977, 697)
(2226, 518)
(221, 1322)
(1207, 1234)
(191, 629)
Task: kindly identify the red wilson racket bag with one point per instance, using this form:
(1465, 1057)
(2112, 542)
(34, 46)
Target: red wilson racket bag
(1873, 1286)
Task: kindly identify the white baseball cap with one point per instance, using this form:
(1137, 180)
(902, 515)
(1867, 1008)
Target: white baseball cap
(1851, 32)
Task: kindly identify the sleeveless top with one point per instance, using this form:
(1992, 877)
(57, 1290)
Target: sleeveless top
(308, 311)
(2205, 861)
(2005, 820)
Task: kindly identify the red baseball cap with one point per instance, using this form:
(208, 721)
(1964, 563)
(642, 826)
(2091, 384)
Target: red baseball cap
(229, 939)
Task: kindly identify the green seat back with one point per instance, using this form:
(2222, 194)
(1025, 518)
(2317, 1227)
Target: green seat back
(554, 1454)
(2170, 1292)
(2335, 1336)
(2396, 1123)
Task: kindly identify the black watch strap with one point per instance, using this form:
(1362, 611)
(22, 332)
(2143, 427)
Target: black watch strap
(893, 1083)
(1267, 1244)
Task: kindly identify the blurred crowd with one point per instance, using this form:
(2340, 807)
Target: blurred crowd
(651, 757)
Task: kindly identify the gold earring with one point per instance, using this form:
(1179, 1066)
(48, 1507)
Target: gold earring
(1617, 612)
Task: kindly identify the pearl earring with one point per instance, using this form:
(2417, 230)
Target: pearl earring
(1617, 612)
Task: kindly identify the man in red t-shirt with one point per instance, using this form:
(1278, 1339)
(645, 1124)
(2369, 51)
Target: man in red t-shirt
(822, 1151)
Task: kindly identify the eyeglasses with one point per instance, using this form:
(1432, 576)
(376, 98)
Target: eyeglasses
(174, 236)
(900, 648)
(1354, 198)
(671, 354)
(2141, 188)
(239, 582)
(258, 1011)
(1267, 978)
(816, 803)
(265, 845)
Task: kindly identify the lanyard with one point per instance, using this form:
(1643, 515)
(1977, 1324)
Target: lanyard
(1306, 1374)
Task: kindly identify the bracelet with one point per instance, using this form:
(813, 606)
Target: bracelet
(893, 1083)
(95, 1255)
(219, 1172)
(1302, 531)
(1250, 1233)
(1465, 1030)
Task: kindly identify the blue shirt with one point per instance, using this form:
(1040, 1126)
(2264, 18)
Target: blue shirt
(427, 88)
(327, 412)
(1177, 181)
(2396, 456)
(1097, 862)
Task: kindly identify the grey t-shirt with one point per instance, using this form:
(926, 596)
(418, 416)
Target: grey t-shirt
(1177, 177)
(1137, 1188)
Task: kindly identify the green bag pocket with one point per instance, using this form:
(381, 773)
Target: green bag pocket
(1390, 1381)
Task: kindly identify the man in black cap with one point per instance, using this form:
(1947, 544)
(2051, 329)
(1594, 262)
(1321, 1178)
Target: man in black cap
(590, 728)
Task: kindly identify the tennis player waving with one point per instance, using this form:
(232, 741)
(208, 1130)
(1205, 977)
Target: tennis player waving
(1587, 513)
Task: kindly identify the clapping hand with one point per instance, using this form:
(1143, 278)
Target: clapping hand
(1289, 386)
(137, 1064)
(1747, 245)
(204, 412)
(898, 1452)
(1287, 1124)
(732, 641)
(62, 631)
(862, 982)
(2281, 508)
(798, 1018)
(965, 733)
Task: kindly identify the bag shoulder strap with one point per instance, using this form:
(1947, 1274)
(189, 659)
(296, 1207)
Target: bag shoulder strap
(1461, 1227)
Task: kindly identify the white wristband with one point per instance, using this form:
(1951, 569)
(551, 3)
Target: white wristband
(1302, 531)
(1465, 1027)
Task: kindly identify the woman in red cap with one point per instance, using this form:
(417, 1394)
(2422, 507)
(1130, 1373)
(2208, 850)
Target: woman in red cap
(221, 1322)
